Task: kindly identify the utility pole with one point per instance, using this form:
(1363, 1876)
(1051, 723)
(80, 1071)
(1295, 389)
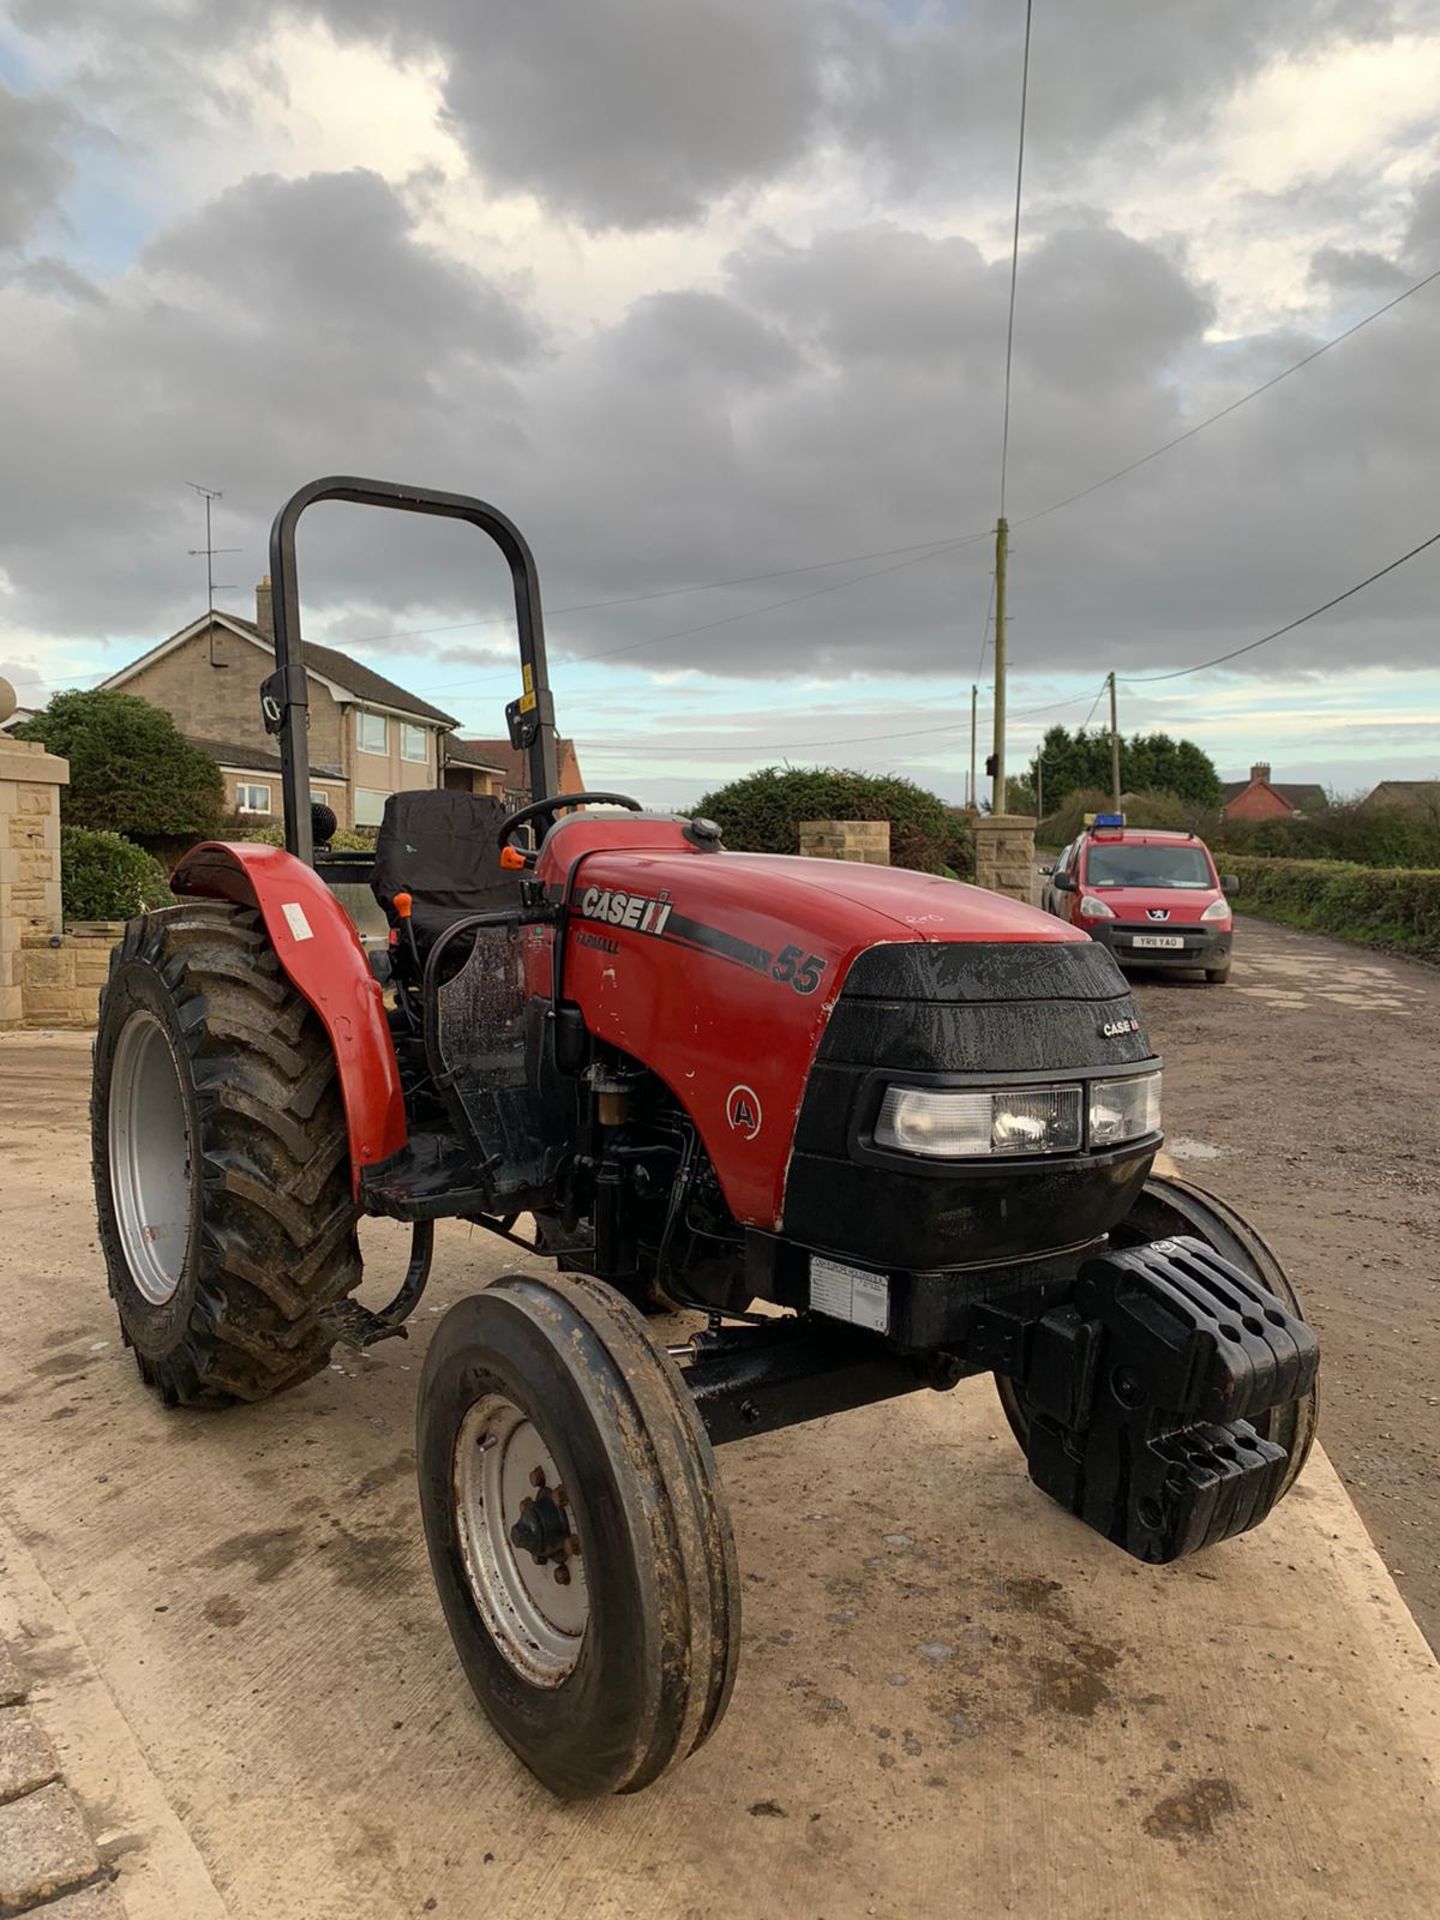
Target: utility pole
(1039, 785)
(973, 796)
(1002, 544)
(1114, 748)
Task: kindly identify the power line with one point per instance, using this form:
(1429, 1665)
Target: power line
(985, 630)
(1015, 255)
(844, 740)
(921, 550)
(1234, 406)
(1144, 679)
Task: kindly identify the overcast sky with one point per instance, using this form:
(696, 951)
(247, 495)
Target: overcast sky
(715, 292)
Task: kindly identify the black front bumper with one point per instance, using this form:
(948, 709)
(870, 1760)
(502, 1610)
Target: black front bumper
(1201, 947)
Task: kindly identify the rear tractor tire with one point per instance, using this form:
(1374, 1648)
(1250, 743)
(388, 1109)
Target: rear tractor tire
(220, 1157)
(578, 1534)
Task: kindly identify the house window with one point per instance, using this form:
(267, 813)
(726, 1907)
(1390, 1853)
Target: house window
(318, 798)
(413, 743)
(371, 735)
(369, 806)
(250, 798)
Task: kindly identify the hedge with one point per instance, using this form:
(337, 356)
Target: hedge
(761, 813)
(1393, 907)
(103, 876)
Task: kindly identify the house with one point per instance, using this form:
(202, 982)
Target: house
(17, 718)
(1405, 796)
(369, 738)
(467, 762)
(1261, 798)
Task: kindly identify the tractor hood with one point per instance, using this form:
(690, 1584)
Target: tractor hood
(721, 972)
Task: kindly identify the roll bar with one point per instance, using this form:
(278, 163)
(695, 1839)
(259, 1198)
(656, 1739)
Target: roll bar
(284, 696)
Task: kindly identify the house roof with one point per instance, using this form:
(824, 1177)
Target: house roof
(242, 759)
(1426, 790)
(511, 763)
(338, 670)
(467, 753)
(1305, 797)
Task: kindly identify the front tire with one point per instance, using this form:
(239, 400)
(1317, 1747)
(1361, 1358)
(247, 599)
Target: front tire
(220, 1158)
(577, 1533)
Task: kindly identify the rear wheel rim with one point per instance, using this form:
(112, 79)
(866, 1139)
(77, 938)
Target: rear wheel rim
(536, 1621)
(151, 1174)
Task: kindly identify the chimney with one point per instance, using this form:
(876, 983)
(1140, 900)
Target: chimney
(1259, 773)
(265, 612)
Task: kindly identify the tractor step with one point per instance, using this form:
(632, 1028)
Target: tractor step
(355, 1326)
(433, 1177)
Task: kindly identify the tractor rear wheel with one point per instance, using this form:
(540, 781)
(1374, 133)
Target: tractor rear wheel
(221, 1164)
(1166, 1208)
(578, 1535)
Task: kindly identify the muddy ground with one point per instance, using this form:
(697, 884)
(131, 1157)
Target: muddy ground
(953, 1699)
(1307, 1093)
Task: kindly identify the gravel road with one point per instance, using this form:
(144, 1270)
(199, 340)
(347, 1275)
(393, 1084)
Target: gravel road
(1307, 1092)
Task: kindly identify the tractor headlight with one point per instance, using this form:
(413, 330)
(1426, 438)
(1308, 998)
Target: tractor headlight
(968, 1125)
(1123, 1110)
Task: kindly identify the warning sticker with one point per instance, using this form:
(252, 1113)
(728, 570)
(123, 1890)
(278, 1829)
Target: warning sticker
(850, 1293)
(295, 919)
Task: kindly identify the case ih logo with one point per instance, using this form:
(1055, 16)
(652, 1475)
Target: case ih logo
(742, 1110)
(636, 910)
(1113, 1029)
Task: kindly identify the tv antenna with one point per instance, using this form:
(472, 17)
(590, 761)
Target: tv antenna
(209, 495)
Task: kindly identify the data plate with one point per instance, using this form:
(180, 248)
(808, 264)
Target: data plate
(1172, 941)
(850, 1293)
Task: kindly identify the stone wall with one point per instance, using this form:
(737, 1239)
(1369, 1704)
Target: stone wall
(30, 783)
(62, 976)
(1005, 854)
(864, 840)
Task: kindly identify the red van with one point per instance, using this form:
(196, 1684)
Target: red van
(1154, 898)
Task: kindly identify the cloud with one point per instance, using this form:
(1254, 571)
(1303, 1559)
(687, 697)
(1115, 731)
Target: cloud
(35, 167)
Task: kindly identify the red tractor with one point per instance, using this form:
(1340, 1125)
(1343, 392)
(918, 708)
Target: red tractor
(880, 1130)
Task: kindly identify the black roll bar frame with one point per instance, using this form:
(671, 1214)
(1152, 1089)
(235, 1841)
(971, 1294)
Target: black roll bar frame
(284, 696)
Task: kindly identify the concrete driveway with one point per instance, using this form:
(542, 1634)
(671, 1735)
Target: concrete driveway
(952, 1699)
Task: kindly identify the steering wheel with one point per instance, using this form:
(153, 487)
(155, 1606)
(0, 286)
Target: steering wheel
(547, 809)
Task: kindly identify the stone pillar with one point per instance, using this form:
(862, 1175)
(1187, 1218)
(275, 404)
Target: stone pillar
(864, 840)
(1005, 854)
(30, 783)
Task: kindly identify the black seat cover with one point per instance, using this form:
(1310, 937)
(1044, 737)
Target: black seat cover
(442, 849)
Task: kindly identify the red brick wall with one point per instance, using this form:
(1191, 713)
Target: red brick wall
(1258, 802)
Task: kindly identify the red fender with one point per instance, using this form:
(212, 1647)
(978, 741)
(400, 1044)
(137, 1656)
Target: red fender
(321, 953)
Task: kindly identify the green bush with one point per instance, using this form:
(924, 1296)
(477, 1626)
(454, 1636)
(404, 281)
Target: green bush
(105, 877)
(1141, 810)
(1345, 830)
(1393, 907)
(131, 769)
(762, 813)
(272, 834)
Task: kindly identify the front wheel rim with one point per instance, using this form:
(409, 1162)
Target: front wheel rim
(150, 1158)
(535, 1609)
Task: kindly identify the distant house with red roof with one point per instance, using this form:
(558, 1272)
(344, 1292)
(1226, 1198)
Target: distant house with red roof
(1261, 798)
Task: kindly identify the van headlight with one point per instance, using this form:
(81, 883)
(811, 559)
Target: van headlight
(968, 1124)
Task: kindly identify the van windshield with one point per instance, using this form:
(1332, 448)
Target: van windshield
(1141, 866)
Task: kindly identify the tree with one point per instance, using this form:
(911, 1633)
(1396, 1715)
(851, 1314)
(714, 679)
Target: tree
(1149, 763)
(761, 813)
(131, 769)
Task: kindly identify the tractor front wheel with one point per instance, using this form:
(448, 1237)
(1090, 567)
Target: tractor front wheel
(577, 1533)
(222, 1169)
